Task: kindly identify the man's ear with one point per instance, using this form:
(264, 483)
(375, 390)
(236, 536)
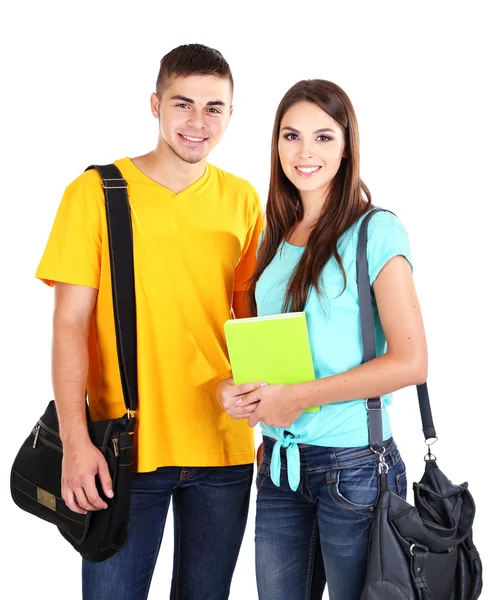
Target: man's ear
(155, 105)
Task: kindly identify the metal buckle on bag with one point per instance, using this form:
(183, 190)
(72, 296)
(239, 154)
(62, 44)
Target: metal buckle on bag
(130, 414)
(118, 184)
(377, 408)
(382, 465)
(429, 442)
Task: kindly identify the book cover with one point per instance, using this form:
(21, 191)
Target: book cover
(274, 349)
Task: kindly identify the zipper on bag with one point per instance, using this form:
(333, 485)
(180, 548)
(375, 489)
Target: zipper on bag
(37, 433)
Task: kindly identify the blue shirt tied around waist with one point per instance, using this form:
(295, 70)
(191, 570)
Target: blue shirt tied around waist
(333, 321)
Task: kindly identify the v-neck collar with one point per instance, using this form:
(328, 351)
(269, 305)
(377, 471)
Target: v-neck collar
(188, 191)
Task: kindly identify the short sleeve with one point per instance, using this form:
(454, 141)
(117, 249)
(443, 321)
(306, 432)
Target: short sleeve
(247, 263)
(386, 238)
(73, 251)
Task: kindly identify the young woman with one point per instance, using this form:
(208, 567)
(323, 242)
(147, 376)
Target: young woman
(318, 477)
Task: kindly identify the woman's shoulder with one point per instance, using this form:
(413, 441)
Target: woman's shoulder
(383, 219)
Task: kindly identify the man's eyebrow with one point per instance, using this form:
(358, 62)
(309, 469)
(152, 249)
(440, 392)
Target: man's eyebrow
(323, 130)
(191, 101)
(183, 98)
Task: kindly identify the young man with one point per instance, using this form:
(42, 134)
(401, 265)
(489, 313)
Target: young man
(195, 230)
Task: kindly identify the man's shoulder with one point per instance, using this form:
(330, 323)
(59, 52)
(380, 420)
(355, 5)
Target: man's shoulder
(232, 181)
(86, 181)
(88, 184)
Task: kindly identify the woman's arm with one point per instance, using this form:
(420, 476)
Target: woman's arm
(404, 364)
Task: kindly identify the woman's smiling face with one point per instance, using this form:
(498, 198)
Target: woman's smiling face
(311, 146)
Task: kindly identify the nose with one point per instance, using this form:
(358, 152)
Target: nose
(196, 119)
(304, 150)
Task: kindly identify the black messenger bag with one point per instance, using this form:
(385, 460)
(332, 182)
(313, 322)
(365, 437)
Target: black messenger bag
(425, 551)
(36, 472)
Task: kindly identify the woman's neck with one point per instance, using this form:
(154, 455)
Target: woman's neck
(312, 203)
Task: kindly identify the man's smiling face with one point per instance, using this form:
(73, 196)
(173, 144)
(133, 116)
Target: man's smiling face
(193, 113)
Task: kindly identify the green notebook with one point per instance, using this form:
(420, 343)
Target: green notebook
(274, 349)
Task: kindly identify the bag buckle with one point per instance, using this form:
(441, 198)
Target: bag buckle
(382, 465)
(380, 400)
(114, 184)
(429, 442)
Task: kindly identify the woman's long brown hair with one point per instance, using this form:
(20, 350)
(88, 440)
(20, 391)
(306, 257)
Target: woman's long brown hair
(347, 200)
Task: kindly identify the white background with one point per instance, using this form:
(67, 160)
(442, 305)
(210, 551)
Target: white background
(76, 79)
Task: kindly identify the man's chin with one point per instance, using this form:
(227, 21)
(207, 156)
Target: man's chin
(191, 157)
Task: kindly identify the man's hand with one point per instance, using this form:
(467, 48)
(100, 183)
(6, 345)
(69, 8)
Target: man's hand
(230, 397)
(277, 406)
(81, 463)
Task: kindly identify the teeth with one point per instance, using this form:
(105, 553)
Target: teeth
(308, 169)
(192, 139)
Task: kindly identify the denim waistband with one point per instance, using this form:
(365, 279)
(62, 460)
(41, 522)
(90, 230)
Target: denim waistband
(296, 456)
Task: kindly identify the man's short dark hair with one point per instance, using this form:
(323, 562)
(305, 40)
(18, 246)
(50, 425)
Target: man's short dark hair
(192, 59)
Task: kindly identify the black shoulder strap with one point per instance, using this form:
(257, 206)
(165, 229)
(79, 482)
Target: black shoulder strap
(120, 236)
(374, 405)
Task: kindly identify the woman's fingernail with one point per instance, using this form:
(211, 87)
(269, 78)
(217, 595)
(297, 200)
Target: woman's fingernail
(239, 402)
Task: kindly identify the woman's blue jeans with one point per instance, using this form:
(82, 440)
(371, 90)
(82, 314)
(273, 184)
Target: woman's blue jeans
(335, 503)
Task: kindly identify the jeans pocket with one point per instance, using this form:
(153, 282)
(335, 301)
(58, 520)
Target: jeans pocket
(355, 489)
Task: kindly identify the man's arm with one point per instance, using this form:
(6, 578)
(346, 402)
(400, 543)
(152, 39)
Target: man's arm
(82, 461)
(241, 305)
(242, 309)
(73, 309)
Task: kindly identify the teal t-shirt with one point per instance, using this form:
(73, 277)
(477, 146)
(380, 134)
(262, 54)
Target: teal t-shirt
(333, 321)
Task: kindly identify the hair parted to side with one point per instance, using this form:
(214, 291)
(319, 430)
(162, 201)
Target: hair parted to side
(192, 59)
(348, 198)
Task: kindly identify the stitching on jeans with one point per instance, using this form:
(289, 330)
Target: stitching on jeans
(393, 455)
(306, 492)
(187, 473)
(359, 509)
(311, 559)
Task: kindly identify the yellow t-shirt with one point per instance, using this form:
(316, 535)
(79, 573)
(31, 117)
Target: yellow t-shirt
(191, 251)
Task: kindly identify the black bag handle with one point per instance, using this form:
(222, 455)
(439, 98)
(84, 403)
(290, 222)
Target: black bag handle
(120, 236)
(374, 405)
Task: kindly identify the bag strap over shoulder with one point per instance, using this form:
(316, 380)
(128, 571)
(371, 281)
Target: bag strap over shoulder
(120, 236)
(374, 405)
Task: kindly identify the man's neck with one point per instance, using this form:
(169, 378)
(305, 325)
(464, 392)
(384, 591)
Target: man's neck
(167, 169)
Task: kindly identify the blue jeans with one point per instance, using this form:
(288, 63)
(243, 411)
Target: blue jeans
(334, 502)
(210, 511)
